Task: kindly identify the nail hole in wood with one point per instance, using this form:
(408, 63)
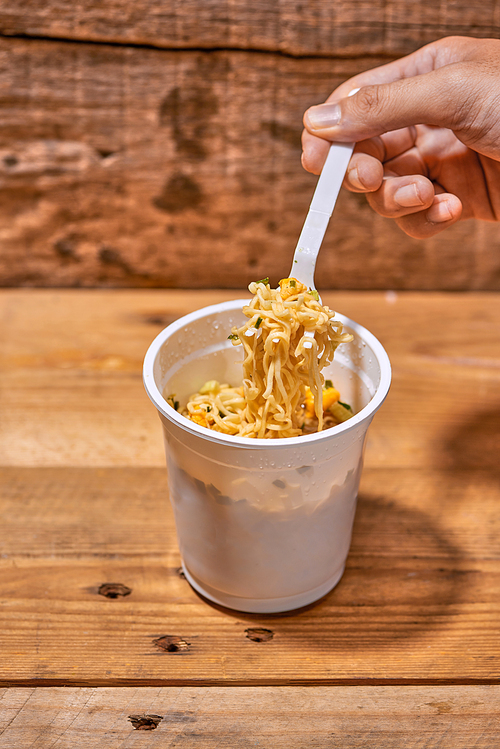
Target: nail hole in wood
(104, 153)
(10, 160)
(145, 722)
(114, 590)
(259, 634)
(171, 643)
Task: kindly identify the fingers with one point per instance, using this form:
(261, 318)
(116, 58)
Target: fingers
(398, 188)
(421, 61)
(450, 83)
(390, 154)
(314, 152)
(411, 200)
(403, 193)
(383, 148)
(401, 196)
(364, 173)
(424, 60)
(441, 85)
(437, 98)
(445, 211)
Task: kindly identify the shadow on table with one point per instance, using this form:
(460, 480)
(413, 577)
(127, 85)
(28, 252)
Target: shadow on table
(407, 575)
(402, 577)
(475, 443)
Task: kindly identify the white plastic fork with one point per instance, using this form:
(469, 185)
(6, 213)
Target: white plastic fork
(321, 208)
(322, 205)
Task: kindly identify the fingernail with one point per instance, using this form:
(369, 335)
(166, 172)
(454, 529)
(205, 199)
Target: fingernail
(439, 213)
(407, 196)
(325, 115)
(354, 180)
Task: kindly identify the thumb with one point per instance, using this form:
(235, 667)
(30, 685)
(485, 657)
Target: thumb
(446, 97)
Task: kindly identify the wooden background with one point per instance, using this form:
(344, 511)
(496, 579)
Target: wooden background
(155, 143)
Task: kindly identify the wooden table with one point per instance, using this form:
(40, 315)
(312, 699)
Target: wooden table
(404, 652)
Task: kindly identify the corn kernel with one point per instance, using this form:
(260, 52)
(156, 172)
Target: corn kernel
(200, 419)
(330, 396)
(290, 286)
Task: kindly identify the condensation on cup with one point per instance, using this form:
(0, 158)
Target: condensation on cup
(263, 526)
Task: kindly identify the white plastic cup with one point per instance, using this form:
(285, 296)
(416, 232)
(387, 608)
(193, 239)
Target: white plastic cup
(263, 525)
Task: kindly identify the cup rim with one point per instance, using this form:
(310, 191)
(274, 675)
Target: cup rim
(162, 406)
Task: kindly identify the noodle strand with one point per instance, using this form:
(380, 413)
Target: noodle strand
(277, 365)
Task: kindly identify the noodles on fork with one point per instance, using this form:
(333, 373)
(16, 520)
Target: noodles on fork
(288, 338)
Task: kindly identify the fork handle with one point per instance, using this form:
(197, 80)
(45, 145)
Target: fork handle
(322, 205)
(306, 253)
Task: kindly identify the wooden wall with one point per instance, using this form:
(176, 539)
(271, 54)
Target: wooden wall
(157, 143)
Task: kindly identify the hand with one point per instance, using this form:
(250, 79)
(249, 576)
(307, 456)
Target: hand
(428, 135)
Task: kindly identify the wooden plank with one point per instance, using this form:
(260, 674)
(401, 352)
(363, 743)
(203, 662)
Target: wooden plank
(388, 717)
(315, 27)
(137, 167)
(418, 602)
(71, 391)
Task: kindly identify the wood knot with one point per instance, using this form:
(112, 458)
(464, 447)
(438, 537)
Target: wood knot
(157, 317)
(259, 634)
(145, 722)
(179, 194)
(10, 160)
(171, 644)
(66, 248)
(111, 256)
(114, 590)
(441, 707)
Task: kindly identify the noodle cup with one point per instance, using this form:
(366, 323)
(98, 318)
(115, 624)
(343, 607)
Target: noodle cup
(263, 525)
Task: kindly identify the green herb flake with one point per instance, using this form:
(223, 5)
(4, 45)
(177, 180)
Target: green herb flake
(295, 261)
(346, 405)
(259, 322)
(328, 384)
(263, 280)
(172, 402)
(314, 294)
(293, 283)
(233, 337)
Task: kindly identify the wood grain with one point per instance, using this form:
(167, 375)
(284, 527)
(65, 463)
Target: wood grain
(418, 603)
(312, 28)
(123, 166)
(84, 502)
(71, 391)
(380, 717)
(404, 652)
